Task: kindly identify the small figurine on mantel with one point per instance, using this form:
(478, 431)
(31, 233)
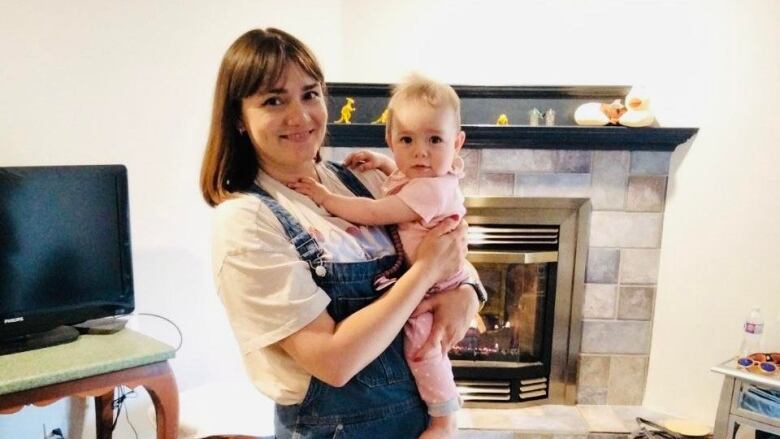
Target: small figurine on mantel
(346, 111)
(638, 112)
(382, 119)
(534, 116)
(502, 120)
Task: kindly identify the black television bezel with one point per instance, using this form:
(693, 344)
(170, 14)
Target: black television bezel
(36, 321)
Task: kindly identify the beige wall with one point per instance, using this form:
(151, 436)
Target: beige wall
(97, 82)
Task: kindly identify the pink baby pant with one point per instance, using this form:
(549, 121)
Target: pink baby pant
(433, 372)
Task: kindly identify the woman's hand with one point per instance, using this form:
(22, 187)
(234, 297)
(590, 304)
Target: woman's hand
(453, 312)
(365, 160)
(443, 249)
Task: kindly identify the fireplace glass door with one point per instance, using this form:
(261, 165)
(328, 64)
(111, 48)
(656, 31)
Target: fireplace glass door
(510, 327)
(506, 356)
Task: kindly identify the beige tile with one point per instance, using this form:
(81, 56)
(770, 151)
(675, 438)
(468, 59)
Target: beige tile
(496, 185)
(635, 303)
(591, 395)
(627, 377)
(572, 161)
(609, 179)
(469, 184)
(646, 193)
(603, 265)
(553, 185)
(594, 371)
(592, 379)
(650, 162)
(543, 419)
(615, 337)
(625, 229)
(639, 266)
(599, 301)
(517, 160)
(601, 418)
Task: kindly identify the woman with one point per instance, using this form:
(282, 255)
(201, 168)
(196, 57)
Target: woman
(296, 282)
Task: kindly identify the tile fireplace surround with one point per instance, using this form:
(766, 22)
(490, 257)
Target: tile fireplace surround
(627, 191)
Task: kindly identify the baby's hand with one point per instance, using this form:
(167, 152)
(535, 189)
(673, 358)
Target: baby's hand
(366, 160)
(312, 189)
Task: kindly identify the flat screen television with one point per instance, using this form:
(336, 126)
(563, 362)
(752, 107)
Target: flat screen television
(65, 252)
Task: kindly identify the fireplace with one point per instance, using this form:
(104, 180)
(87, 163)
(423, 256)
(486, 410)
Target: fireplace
(621, 171)
(530, 255)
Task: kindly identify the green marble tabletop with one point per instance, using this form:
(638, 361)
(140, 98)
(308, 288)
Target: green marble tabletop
(87, 356)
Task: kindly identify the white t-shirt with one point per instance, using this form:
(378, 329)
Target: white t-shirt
(267, 290)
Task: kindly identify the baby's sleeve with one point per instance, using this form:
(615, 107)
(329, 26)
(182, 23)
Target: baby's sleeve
(428, 197)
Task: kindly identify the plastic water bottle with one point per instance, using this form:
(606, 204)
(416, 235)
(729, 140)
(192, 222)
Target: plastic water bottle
(751, 333)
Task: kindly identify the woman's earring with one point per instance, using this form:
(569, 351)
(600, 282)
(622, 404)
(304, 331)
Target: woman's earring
(241, 130)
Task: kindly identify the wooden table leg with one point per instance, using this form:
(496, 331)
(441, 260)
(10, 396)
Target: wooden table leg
(165, 396)
(104, 414)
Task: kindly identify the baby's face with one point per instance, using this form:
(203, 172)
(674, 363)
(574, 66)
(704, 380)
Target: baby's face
(424, 139)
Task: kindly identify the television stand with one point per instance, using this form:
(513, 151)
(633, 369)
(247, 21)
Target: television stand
(58, 335)
(93, 366)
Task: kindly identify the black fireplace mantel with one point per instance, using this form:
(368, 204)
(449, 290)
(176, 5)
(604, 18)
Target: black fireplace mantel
(482, 104)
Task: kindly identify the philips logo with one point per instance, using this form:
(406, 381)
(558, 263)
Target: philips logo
(14, 320)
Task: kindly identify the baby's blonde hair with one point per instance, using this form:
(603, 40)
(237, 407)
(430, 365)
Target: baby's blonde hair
(419, 88)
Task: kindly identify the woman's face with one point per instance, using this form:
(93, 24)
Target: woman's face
(286, 124)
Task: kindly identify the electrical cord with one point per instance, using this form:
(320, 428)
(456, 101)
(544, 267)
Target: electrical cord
(181, 336)
(118, 403)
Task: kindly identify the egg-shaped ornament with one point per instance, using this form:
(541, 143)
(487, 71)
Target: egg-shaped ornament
(590, 114)
(638, 112)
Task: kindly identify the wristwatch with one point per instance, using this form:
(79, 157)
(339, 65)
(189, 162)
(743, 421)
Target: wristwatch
(479, 289)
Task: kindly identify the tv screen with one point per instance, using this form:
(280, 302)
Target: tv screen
(65, 252)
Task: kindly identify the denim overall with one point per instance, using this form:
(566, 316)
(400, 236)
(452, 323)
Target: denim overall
(381, 401)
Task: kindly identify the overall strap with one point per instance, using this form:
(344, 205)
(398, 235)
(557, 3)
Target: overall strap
(348, 178)
(388, 277)
(304, 244)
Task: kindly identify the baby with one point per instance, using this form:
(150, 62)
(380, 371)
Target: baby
(423, 132)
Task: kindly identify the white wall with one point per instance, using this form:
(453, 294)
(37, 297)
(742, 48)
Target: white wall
(131, 82)
(105, 82)
(721, 237)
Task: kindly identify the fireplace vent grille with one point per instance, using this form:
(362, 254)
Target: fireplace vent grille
(513, 237)
(484, 390)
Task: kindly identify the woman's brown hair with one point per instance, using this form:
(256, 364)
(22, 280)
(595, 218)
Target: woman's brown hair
(254, 62)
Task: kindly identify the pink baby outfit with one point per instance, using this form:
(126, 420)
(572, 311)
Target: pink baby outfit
(434, 199)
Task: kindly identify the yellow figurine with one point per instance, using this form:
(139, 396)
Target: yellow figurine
(502, 120)
(346, 111)
(382, 119)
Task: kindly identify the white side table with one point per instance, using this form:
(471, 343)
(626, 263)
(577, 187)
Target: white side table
(730, 414)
